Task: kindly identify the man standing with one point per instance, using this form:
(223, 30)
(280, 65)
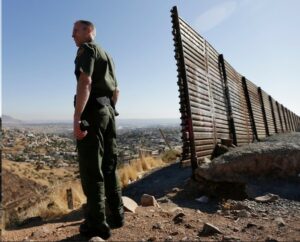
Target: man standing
(95, 131)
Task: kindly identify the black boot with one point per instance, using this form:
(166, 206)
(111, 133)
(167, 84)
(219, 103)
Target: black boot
(88, 230)
(116, 221)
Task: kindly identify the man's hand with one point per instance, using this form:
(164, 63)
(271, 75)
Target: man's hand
(78, 133)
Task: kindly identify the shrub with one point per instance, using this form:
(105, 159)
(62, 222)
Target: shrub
(170, 156)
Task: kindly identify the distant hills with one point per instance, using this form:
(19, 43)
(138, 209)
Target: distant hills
(10, 120)
(143, 123)
(121, 123)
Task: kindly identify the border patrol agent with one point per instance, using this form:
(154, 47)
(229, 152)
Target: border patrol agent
(95, 131)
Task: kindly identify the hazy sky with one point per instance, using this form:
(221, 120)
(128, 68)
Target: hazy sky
(259, 38)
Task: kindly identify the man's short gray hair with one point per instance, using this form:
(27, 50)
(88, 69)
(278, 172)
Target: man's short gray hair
(89, 25)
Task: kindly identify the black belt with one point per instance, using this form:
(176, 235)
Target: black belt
(96, 101)
(99, 102)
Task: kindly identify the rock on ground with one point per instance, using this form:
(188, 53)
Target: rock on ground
(148, 200)
(267, 198)
(95, 239)
(276, 157)
(209, 229)
(129, 204)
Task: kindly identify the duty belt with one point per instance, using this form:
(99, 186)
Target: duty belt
(96, 101)
(99, 102)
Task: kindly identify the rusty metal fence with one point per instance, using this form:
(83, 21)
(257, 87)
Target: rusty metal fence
(216, 102)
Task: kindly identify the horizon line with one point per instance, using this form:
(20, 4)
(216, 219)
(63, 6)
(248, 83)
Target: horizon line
(70, 120)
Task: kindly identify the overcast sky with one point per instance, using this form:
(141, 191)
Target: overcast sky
(259, 38)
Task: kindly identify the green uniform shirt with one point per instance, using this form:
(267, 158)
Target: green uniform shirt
(95, 62)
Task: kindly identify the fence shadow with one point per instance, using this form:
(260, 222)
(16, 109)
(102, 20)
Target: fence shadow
(162, 181)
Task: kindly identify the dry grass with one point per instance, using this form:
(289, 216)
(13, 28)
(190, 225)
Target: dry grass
(45, 176)
(55, 204)
(170, 156)
(131, 172)
(123, 175)
(137, 165)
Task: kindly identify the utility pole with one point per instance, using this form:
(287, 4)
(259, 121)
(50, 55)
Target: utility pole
(165, 139)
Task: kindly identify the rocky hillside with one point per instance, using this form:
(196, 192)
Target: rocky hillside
(181, 212)
(178, 208)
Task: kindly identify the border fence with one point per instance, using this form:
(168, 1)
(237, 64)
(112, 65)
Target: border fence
(216, 102)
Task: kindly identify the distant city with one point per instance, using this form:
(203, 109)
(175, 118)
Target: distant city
(135, 138)
(121, 123)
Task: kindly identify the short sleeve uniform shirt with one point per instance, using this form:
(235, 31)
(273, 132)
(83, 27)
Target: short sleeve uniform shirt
(95, 62)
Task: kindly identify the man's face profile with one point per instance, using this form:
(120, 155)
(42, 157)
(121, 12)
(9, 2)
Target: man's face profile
(80, 33)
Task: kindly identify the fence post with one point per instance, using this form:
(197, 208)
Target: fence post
(280, 118)
(263, 111)
(2, 220)
(294, 121)
(249, 106)
(70, 198)
(227, 99)
(289, 118)
(284, 117)
(273, 114)
(165, 139)
(182, 76)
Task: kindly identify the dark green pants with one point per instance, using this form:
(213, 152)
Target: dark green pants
(97, 155)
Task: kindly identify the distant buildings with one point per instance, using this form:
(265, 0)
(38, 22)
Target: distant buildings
(57, 150)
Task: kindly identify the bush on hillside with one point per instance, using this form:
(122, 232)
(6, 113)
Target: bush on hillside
(170, 156)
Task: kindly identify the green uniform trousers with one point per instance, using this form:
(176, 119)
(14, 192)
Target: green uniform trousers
(97, 155)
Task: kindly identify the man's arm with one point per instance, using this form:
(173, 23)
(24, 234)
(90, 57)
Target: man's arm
(82, 96)
(115, 96)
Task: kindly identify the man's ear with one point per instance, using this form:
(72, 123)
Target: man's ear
(89, 29)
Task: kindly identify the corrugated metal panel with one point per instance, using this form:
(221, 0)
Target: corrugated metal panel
(287, 118)
(216, 102)
(290, 120)
(256, 109)
(284, 118)
(208, 111)
(275, 115)
(294, 121)
(188, 152)
(268, 110)
(240, 112)
(217, 94)
(279, 112)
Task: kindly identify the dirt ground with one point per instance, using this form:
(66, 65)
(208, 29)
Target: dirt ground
(180, 217)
